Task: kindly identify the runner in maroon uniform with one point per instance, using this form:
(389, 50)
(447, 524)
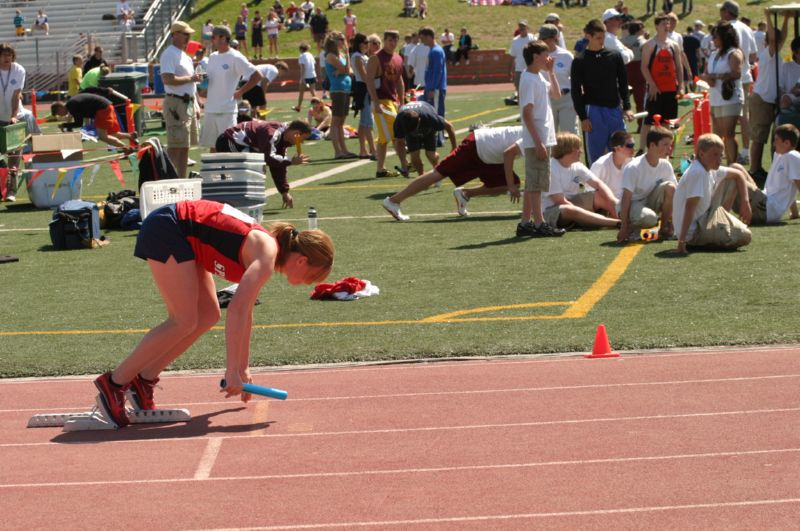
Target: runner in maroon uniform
(272, 139)
(184, 244)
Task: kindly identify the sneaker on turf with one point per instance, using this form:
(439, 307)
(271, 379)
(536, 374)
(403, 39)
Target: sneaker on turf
(547, 230)
(461, 201)
(141, 393)
(526, 229)
(743, 159)
(403, 171)
(394, 209)
(112, 400)
(386, 173)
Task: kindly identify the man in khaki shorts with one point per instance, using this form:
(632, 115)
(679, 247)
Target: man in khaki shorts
(180, 115)
(705, 194)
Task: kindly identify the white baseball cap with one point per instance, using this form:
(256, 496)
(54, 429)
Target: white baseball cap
(608, 14)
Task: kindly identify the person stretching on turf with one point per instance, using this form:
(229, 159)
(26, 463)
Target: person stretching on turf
(487, 154)
(184, 244)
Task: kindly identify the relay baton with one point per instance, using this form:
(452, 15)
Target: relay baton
(280, 394)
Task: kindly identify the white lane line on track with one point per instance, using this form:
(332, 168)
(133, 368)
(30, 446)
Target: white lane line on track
(507, 425)
(525, 516)
(427, 470)
(468, 392)
(208, 458)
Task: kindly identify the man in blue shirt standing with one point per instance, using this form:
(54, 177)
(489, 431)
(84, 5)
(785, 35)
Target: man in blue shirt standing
(435, 73)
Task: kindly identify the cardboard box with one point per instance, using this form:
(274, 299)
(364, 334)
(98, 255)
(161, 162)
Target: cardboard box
(47, 148)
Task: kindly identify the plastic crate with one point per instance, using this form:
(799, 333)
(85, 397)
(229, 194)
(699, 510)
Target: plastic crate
(13, 137)
(254, 211)
(158, 193)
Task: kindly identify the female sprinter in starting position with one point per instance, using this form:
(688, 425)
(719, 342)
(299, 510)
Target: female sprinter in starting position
(184, 243)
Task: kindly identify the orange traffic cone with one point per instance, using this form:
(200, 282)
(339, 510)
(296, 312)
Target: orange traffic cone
(601, 348)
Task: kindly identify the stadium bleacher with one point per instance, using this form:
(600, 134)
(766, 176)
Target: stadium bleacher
(73, 27)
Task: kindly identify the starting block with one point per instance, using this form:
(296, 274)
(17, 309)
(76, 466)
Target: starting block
(95, 420)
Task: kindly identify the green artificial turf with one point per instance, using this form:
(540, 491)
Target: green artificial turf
(78, 312)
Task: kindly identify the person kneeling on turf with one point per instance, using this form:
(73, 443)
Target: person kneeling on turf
(648, 184)
(487, 154)
(272, 139)
(415, 127)
(565, 204)
(705, 194)
(84, 106)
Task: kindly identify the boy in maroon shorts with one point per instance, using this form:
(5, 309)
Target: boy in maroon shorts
(487, 154)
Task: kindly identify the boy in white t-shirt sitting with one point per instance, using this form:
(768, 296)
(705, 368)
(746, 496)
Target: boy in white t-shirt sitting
(567, 204)
(704, 195)
(608, 168)
(648, 184)
(783, 180)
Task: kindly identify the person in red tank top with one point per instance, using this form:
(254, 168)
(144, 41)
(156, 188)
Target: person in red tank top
(661, 68)
(387, 92)
(184, 245)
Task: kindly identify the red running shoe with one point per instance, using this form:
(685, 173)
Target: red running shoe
(142, 393)
(112, 399)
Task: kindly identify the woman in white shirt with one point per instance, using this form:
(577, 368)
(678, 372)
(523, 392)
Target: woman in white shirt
(724, 76)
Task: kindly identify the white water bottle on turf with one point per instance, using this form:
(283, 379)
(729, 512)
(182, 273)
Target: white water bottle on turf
(312, 218)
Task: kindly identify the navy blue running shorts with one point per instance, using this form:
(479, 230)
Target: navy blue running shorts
(161, 237)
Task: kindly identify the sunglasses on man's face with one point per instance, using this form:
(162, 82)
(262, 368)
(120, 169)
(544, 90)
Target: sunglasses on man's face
(630, 145)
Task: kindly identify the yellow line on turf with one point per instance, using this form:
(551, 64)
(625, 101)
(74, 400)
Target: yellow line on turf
(451, 316)
(602, 285)
(575, 310)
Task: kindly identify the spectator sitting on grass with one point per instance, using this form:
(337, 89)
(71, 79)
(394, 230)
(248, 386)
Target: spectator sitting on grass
(566, 204)
(648, 185)
(705, 194)
(297, 21)
(319, 116)
(408, 8)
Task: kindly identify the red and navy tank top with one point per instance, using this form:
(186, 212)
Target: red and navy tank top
(662, 68)
(217, 233)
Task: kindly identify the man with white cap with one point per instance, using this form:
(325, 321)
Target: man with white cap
(729, 11)
(177, 72)
(519, 43)
(225, 68)
(612, 19)
(555, 20)
(564, 114)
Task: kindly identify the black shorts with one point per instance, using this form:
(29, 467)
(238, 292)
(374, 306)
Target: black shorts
(665, 104)
(225, 144)
(161, 237)
(255, 96)
(417, 142)
(257, 39)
